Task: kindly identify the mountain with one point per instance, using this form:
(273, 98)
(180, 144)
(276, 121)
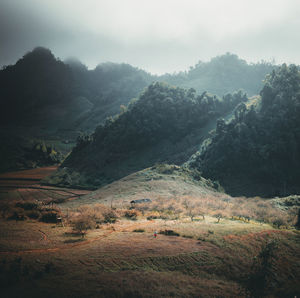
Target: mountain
(42, 91)
(223, 74)
(109, 86)
(258, 152)
(52, 101)
(166, 124)
(36, 82)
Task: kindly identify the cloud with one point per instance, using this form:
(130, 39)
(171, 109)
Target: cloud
(157, 35)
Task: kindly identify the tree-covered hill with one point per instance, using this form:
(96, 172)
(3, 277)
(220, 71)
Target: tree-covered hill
(258, 152)
(223, 74)
(45, 98)
(166, 124)
(40, 90)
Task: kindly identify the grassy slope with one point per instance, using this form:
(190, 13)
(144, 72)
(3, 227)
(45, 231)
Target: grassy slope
(166, 181)
(208, 259)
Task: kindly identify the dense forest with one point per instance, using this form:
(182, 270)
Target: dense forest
(43, 98)
(254, 151)
(258, 152)
(166, 124)
(42, 91)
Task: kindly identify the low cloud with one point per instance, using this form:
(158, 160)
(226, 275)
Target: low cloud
(159, 36)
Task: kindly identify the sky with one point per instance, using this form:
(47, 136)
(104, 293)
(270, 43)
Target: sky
(156, 35)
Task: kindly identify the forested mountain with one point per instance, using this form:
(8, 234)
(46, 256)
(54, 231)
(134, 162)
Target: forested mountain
(258, 152)
(223, 74)
(43, 98)
(36, 81)
(40, 90)
(166, 124)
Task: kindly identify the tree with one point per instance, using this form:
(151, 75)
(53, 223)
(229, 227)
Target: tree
(262, 273)
(82, 225)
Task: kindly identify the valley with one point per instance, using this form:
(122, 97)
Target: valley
(115, 182)
(208, 254)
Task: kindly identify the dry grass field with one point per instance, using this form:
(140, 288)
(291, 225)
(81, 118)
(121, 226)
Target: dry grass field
(217, 252)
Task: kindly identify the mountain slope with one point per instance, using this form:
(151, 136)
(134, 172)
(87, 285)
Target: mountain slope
(165, 125)
(42, 91)
(258, 152)
(223, 74)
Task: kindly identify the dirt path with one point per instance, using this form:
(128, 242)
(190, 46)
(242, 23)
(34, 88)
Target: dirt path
(45, 238)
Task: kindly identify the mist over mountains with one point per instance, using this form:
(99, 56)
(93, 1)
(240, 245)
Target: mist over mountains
(129, 119)
(40, 90)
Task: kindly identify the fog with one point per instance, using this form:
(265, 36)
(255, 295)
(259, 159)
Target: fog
(158, 36)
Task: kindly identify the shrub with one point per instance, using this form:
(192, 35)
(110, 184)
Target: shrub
(278, 222)
(5, 208)
(187, 236)
(110, 216)
(27, 205)
(169, 233)
(49, 216)
(150, 217)
(82, 225)
(33, 214)
(17, 214)
(131, 214)
(139, 230)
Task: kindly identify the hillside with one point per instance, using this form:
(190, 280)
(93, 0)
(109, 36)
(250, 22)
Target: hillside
(42, 91)
(257, 153)
(91, 244)
(223, 74)
(44, 98)
(166, 124)
(167, 182)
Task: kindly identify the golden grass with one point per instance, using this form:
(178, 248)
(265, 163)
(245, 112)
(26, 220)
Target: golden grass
(207, 259)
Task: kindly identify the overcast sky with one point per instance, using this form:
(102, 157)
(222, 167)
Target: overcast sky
(156, 35)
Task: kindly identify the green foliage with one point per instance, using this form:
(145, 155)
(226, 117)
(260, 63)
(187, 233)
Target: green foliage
(164, 125)
(40, 90)
(257, 153)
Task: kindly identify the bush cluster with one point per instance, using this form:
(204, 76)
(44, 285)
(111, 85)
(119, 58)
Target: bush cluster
(23, 210)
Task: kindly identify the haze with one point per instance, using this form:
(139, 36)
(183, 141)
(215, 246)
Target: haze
(158, 36)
